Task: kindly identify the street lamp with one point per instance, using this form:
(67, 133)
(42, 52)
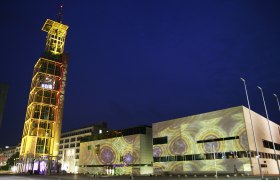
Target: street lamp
(213, 150)
(267, 118)
(278, 107)
(277, 101)
(253, 129)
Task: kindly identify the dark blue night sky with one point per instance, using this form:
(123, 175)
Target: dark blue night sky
(135, 62)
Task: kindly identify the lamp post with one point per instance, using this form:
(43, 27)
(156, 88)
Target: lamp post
(267, 118)
(277, 101)
(279, 110)
(213, 150)
(253, 129)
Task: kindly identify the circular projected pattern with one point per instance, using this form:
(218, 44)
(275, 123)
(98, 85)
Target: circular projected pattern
(157, 151)
(128, 158)
(129, 139)
(209, 147)
(243, 141)
(175, 125)
(176, 167)
(178, 146)
(107, 155)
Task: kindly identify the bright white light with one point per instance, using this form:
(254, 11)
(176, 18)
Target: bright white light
(14, 169)
(47, 86)
(76, 169)
(36, 165)
(100, 131)
(65, 167)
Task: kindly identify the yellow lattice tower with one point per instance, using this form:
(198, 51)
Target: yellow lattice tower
(42, 126)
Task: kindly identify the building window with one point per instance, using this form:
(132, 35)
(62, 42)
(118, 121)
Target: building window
(73, 139)
(77, 144)
(66, 146)
(89, 147)
(77, 150)
(269, 144)
(160, 140)
(72, 145)
(218, 139)
(66, 140)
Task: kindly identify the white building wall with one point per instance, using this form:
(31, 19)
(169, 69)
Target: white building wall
(261, 130)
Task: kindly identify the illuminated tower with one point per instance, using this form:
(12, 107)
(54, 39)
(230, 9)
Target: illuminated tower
(42, 126)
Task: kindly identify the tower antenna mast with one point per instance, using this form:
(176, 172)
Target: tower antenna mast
(59, 18)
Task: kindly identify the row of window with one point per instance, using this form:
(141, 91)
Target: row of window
(69, 145)
(269, 144)
(76, 133)
(77, 151)
(217, 155)
(70, 140)
(164, 140)
(218, 139)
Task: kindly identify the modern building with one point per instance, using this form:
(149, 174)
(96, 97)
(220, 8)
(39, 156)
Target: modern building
(224, 141)
(69, 149)
(3, 96)
(7, 152)
(127, 151)
(42, 126)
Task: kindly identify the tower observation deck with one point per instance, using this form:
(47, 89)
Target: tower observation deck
(43, 120)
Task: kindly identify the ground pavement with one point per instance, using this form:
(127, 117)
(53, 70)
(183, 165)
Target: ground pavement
(88, 177)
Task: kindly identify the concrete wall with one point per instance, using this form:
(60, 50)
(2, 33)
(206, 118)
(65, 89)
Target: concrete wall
(261, 129)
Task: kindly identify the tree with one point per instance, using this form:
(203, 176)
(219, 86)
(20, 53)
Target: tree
(12, 159)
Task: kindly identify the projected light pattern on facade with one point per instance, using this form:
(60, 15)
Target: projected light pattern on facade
(120, 151)
(188, 144)
(128, 153)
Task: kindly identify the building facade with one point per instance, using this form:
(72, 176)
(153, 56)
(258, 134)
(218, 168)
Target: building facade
(127, 151)
(3, 96)
(216, 142)
(42, 126)
(69, 149)
(7, 152)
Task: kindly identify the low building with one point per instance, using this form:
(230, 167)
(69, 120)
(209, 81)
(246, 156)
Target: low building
(69, 149)
(7, 152)
(127, 151)
(221, 141)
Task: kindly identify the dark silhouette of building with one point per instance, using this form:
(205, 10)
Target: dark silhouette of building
(3, 96)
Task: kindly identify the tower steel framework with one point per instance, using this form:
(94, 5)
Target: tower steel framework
(42, 126)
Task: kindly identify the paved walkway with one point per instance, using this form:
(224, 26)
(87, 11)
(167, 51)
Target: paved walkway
(86, 177)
